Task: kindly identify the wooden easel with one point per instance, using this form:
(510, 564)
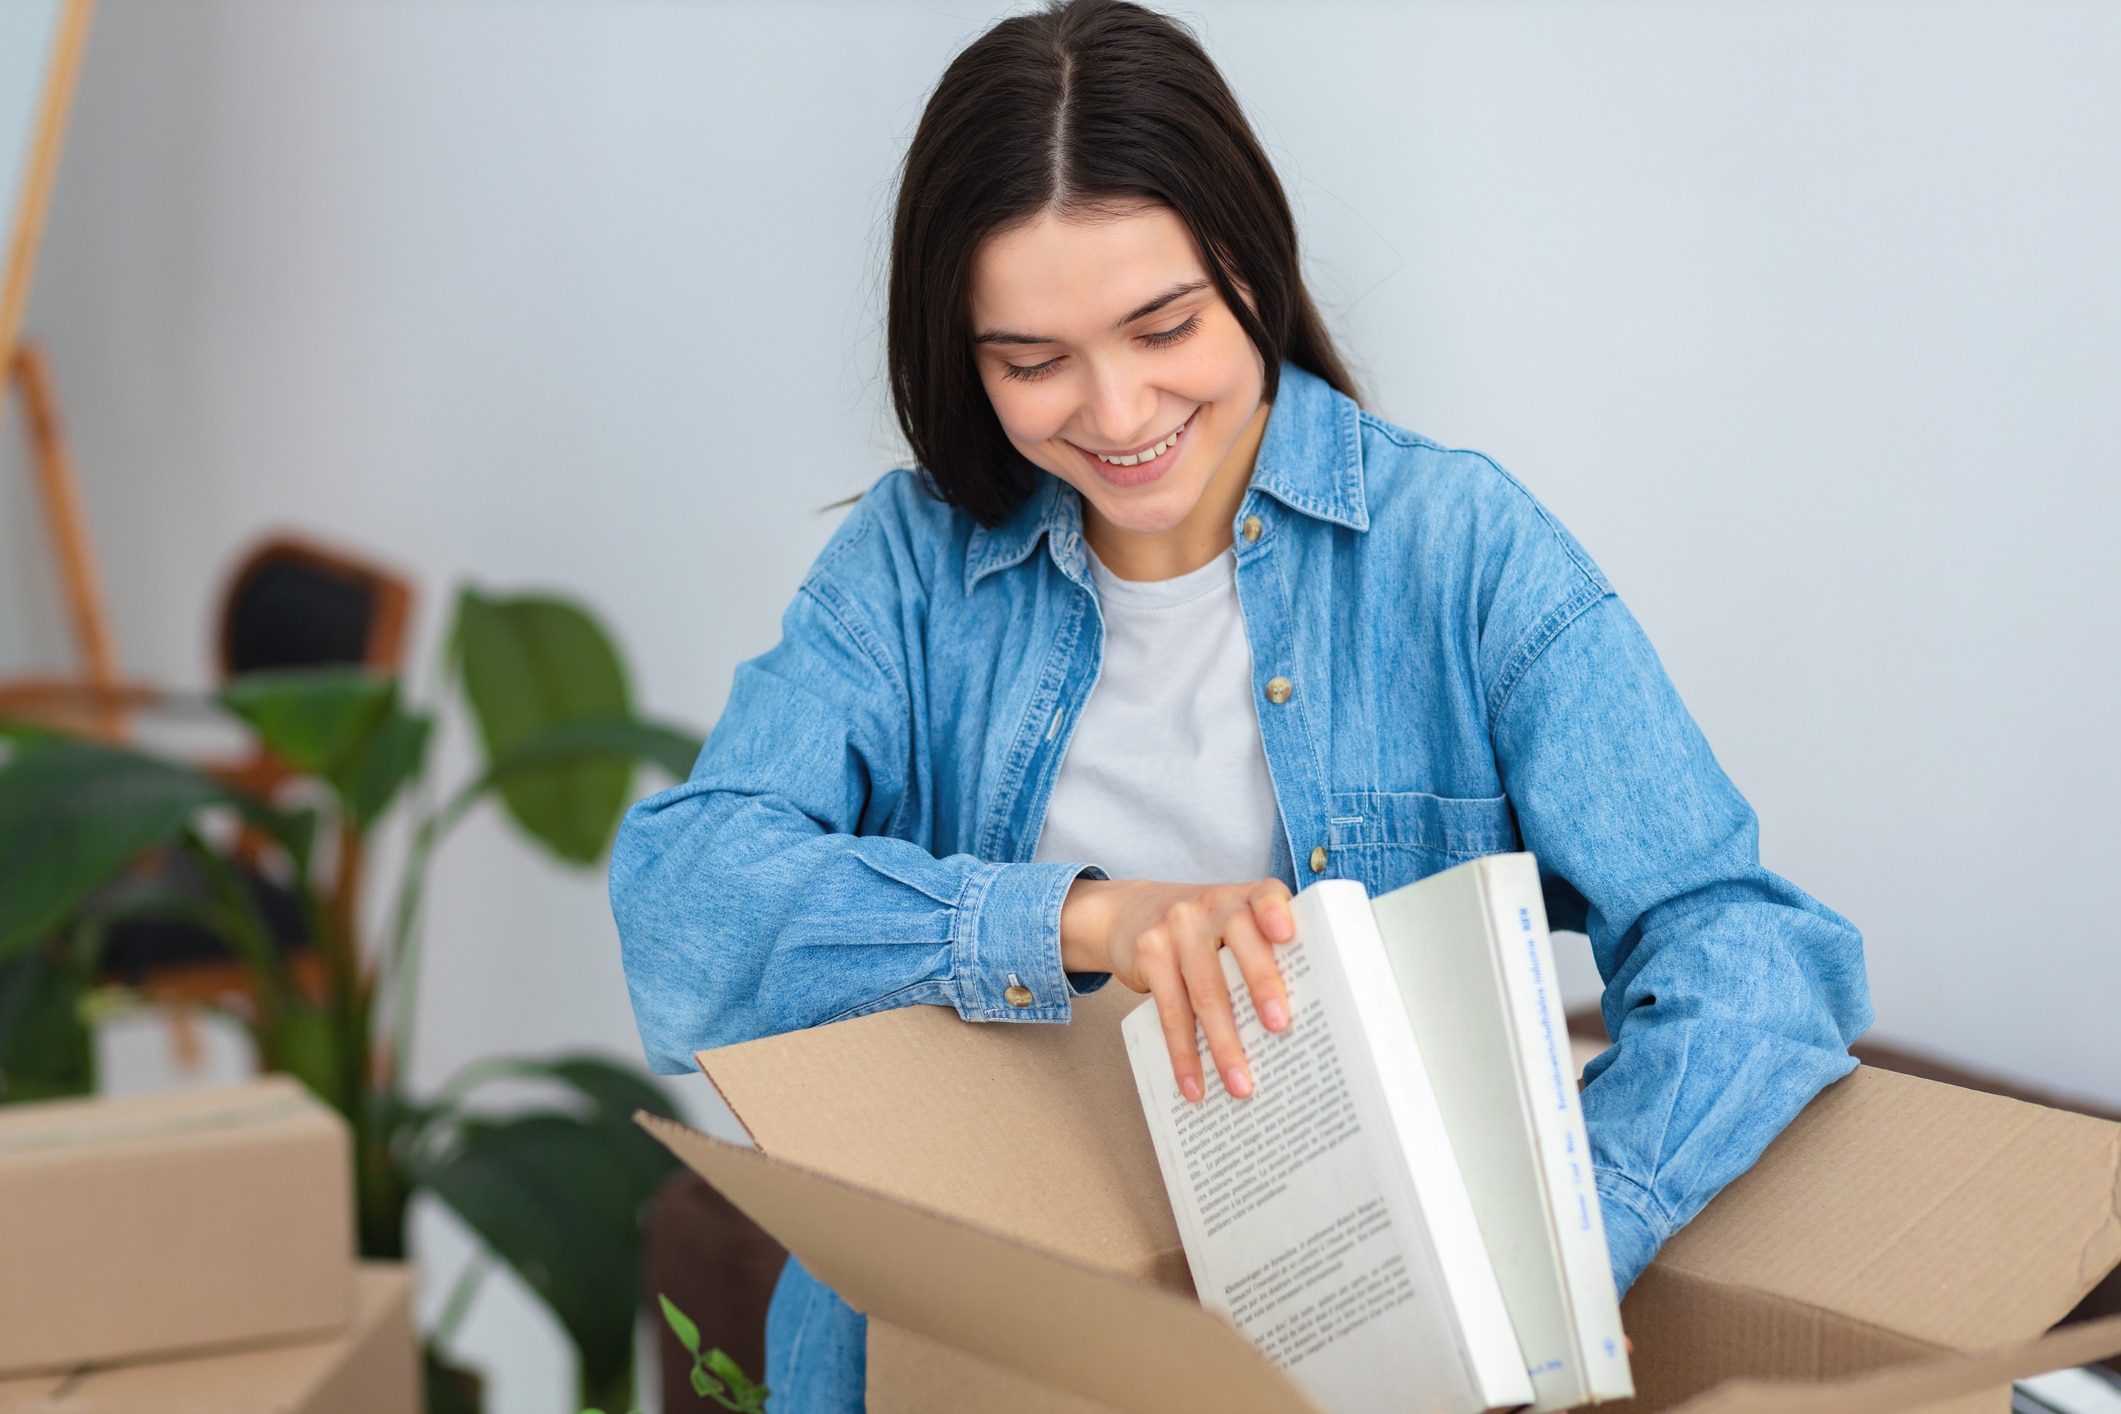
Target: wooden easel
(95, 699)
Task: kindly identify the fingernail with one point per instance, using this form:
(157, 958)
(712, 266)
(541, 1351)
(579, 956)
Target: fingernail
(1190, 1088)
(1274, 1014)
(1238, 1081)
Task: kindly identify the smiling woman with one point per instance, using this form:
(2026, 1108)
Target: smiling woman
(1161, 625)
(1151, 408)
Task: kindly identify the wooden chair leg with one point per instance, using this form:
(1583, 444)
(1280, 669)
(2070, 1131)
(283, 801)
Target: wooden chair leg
(70, 538)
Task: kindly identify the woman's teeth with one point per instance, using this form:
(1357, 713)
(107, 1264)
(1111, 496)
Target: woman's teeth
(1139, 457)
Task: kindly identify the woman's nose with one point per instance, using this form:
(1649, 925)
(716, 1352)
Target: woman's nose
(1120, 410)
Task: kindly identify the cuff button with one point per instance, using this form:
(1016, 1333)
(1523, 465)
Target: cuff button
(1017, 994)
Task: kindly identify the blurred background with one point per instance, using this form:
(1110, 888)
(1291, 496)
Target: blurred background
(1804, 316)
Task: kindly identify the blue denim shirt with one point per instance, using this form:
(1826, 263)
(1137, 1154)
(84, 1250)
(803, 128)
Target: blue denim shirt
(858, 831)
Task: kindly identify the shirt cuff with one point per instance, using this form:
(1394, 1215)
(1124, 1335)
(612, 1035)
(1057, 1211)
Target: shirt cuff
(1006, 945)
(1631, 1238)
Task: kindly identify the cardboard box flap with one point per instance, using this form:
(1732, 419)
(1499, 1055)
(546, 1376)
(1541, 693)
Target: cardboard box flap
(1953, 1219)
(1915, 1386)
(986, 1122)
(1056, 1320)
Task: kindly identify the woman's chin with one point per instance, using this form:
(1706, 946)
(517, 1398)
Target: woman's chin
(1160, 511)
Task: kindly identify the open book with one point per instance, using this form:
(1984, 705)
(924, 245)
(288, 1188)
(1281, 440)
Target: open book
(1402, 1215)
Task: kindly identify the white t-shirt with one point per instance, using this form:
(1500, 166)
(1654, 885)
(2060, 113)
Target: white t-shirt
(1165, 776)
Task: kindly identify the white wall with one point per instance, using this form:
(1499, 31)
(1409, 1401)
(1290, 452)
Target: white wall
(1804, 316)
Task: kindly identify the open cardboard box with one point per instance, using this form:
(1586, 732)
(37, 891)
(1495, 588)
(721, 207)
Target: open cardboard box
(990, 1197)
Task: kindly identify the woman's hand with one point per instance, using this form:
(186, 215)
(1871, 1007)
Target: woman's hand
(1163, 939)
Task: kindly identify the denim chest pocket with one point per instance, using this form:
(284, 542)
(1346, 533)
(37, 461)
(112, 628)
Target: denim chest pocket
(1386, 839)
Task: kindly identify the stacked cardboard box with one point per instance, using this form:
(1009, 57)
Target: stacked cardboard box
(192, 1250)
(990, 1197)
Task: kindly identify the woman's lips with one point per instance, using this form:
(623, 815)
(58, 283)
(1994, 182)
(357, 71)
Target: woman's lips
(1143, 465)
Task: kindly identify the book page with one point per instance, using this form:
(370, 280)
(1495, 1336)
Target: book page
(1283, 1203)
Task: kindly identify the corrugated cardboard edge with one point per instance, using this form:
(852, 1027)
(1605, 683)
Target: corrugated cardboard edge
(1730, 1331)
(2029, 1244)
(1927, 1382)
(1052, 1319)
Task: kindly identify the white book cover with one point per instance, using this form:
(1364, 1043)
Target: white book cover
(1326, 1216)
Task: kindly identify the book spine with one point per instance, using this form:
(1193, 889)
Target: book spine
(1524, 950)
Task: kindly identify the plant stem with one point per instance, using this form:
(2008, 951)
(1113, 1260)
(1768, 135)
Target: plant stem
(460, 1295)
(401, 954)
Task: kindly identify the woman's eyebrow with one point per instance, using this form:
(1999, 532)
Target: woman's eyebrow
(1176, 292)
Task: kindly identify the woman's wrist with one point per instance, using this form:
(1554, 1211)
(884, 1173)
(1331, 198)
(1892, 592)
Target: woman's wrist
(1084, 925)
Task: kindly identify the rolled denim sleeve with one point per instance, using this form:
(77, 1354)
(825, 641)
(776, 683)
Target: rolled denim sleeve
(1731, 995)
(774, 889)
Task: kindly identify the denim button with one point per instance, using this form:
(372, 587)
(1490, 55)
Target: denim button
(1318, 860)
(1253, 526)
(1278, 690)
(1018, 995)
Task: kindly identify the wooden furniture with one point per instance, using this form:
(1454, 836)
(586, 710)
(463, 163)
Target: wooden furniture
(93, 699)
(289, 603)
(293, 603)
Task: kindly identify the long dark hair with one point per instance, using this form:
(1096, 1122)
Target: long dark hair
(1084, 104)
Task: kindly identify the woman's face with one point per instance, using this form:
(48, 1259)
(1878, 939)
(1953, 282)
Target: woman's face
(1113, 363)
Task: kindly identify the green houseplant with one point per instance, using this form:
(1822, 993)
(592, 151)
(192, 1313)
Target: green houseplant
(92, 836)
(714, 1374)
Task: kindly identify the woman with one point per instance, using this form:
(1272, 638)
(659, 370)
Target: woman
(1166, 626)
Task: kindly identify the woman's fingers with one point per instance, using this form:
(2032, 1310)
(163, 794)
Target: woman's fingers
(1198, 936)
(1255, 958)
(1269, 899)
(1157, 965)
(1177, 960)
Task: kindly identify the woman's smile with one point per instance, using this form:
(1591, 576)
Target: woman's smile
(1140, 466)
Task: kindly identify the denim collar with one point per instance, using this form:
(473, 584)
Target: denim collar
(1310, 460)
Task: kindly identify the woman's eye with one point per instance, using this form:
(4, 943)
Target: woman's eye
(1172, 335)
(1027, 372)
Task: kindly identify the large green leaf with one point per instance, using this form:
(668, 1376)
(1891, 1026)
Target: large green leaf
(557, 1201)
(72, 815)
(341, 724)
(616, 1093)
(529, 665)
(609, 739)
(393, 754)
(46, 1048)
(616, 1090)
(315, 719)
(559, 1196)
